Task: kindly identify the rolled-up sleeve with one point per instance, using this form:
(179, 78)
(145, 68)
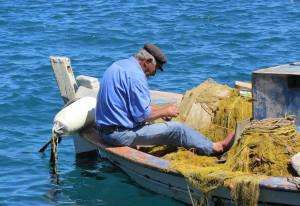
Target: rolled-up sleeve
(139, 102)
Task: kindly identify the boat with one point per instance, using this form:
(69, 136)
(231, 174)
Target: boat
(151, 172)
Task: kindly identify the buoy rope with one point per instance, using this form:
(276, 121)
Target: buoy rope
(55, 139)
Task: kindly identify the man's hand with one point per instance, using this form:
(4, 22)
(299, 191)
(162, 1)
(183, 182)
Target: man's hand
(165, 112)
(167, 119)
(171, 111)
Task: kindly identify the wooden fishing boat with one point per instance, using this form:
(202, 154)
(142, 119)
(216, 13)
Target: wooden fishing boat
(154, 173)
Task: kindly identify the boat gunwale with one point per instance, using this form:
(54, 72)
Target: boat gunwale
(152, 162)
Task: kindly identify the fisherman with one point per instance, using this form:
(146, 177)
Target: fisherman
(124, 110)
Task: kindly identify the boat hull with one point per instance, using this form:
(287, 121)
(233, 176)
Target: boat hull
(155, 174)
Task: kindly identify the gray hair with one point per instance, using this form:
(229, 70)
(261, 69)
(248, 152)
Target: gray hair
(144, 55)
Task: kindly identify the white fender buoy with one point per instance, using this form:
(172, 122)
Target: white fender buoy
(295, 161)
(75, 116)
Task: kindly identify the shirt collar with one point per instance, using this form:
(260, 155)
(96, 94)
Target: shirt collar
(137, 63)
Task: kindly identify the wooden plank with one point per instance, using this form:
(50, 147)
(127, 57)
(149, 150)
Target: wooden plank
(126, 153)
(68, 86)
(245, 86)
(159, 97)
(64, 77)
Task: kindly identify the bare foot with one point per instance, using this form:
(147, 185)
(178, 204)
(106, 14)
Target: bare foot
(217, 148)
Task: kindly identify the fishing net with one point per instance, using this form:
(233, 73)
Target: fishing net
(264, 149)
(199, 104)
(206, 175)
(214, 109)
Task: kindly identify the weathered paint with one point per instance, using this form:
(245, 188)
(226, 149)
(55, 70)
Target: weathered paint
(91, 134)
(276, 91)
(68, 89)
(281, 183)
(137, 156)
(64, 76)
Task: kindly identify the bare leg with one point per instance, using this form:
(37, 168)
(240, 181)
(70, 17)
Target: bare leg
(224, 145)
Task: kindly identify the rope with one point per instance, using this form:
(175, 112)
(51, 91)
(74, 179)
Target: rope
(206, 109)
(295, 181)
(190, 195)
(55, 139)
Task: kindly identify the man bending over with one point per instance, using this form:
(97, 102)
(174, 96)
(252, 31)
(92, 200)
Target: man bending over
(123, 108)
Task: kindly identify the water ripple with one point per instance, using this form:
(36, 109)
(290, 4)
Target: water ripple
(224, 40)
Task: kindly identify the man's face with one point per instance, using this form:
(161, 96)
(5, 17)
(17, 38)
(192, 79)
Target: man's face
(150, 67)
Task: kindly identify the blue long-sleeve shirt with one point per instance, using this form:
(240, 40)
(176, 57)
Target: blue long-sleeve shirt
(124, 97)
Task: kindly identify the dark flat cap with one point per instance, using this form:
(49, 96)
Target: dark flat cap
(157, 54)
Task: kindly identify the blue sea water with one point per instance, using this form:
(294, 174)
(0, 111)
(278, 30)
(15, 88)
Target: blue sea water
(223, 40)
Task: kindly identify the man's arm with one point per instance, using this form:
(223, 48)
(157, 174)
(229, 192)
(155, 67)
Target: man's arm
(163, 112)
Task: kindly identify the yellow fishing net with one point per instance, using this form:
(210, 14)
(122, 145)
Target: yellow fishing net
(264, 149)
(206, 175)
(214, 109)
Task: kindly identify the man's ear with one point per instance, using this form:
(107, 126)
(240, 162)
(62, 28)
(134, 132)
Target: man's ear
(144, 64)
